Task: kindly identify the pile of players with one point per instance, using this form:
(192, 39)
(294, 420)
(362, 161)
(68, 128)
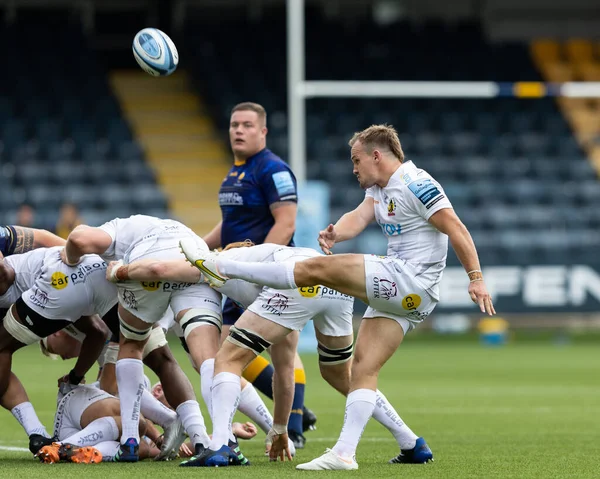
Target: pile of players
(111, 288)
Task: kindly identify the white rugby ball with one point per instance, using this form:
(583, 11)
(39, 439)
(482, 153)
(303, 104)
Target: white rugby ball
(155, 52)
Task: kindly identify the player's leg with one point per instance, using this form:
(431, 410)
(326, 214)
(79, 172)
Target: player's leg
(342, 272)
(130, 378)
(295, 424)
(248, 338)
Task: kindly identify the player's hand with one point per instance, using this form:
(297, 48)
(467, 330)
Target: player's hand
(480, 296)
(277, 446)
(185, 451)
(65, 386)
(64, 259)
(327, 238)
(246, 430)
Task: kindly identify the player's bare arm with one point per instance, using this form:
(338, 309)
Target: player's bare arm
(27, 239)
(348, 226)
(213, 239)
(85, 240)
(284, 214)
(96, 333)
(153, 270)
(450, 224)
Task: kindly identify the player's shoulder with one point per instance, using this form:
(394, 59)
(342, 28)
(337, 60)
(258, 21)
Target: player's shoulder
(268, 161)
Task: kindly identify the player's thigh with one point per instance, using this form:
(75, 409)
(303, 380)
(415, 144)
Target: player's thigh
(342, 272)
(377, 340)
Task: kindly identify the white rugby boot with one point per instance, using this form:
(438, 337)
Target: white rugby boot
(329, 461)
(205, 261)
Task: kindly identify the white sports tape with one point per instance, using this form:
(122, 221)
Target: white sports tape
(196, 317)
(18, 330)
(157, 340)
(112, 352)
(129, 332)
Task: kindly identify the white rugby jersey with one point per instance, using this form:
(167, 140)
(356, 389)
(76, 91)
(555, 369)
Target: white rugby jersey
(69, 292)
(402, 209)
(127, 233)
(245, 293)
(27, 267)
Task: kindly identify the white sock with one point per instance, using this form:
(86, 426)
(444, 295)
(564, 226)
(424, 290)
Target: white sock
(25, 414)
(274, 275)
(130, 383)
(252, 405)
(193, 422)
(207, 371)
(226, 397)
(359, 409)
(385, 413)
(108, 449)
(156, 411)
(99, 430)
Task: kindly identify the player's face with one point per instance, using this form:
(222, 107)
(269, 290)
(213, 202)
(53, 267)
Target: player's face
(64, 345)
(158, 393)
(364, 166)
(247, 134)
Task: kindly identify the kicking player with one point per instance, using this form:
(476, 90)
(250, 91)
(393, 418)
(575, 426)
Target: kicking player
(258, 200)
(270, 318)
(43, 296)
(197, 308)
(400, 288)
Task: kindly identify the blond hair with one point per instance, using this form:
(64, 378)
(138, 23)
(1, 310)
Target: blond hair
(383, 137)
(45, 351)
(250, 106)
(239, 244)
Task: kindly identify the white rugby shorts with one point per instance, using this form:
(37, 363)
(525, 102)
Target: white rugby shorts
(393, 292)
(149, 300)
(70, 408)
(330, 310)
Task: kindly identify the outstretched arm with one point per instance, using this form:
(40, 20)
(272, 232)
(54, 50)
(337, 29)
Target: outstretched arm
(446, 221)
(348, 226)
(153, 270)
(27, 239)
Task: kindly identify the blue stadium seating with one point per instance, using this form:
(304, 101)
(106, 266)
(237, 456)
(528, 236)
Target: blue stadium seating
(62, 134)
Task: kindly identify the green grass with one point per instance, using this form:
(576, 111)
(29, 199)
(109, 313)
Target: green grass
(530, 409)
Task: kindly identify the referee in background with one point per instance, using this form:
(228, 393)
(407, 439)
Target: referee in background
(258, 200)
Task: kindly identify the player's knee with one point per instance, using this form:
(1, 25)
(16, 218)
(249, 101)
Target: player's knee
(198, 317)
(363, 366)
(155, 341)
(132, 333)
(334, 356)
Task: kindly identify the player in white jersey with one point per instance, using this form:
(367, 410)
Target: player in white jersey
(197, 308)
(401, 288)
(43, 295)
(271, 315)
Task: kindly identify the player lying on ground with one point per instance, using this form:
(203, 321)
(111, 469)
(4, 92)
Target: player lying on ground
(270, 317)
(402, 288)
(197, 308)
(44, 296)
(157, 356)
(251, 404)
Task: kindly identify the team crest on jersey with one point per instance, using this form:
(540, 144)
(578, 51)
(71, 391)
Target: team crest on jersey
(391, 208)
(276, 304)
(384, 288)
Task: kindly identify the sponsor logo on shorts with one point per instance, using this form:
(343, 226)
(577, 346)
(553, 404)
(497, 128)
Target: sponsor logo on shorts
(384, 288)
(129, 299)
(166, 286)
(39, 298)
(411, 302)
(323, 292)
(59, 280)
(276, 304)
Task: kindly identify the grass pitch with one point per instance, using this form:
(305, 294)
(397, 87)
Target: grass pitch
(530, 409)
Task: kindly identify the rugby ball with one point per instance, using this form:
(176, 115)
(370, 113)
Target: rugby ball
(155, 52)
